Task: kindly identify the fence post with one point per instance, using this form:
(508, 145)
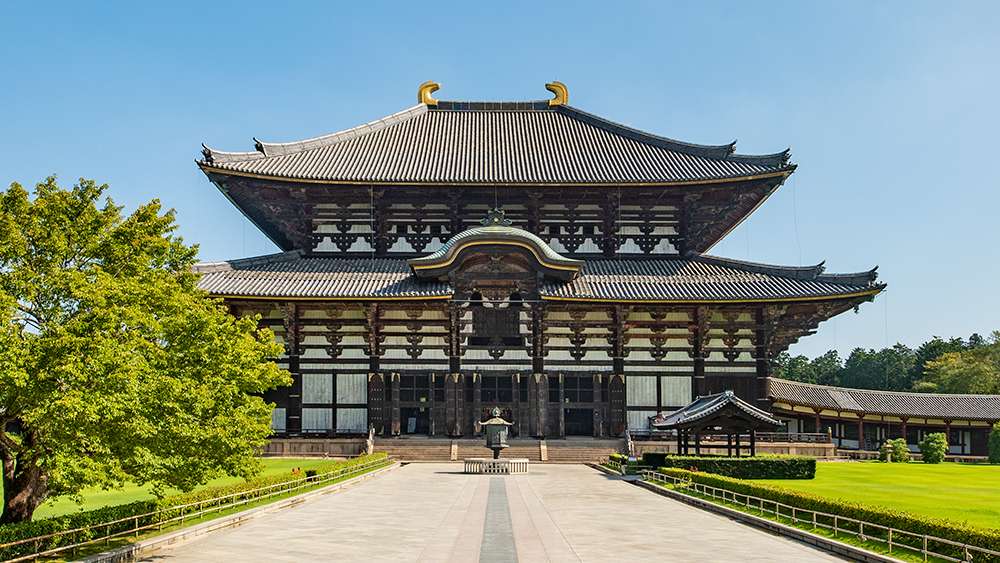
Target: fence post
(925, 548)
(890, 540)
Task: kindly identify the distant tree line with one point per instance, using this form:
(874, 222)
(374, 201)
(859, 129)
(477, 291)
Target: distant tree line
(955, 365)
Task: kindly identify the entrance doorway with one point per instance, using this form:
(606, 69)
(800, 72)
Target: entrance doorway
(579, 422)
(414, 420)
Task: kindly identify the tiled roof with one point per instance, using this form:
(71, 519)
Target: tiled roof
(495, 143)
(703, 408)
(706, 279)
(290, 275)
(927, 405)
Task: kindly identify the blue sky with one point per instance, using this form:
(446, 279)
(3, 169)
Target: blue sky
(890, 108)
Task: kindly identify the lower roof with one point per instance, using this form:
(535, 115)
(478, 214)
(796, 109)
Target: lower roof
(891, 403)
(668, 279)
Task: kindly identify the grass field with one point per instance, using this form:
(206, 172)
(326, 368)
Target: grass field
(96, 498)
(959, 492)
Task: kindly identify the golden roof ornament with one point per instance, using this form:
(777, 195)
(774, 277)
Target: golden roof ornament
(561, 92)
(425, 91)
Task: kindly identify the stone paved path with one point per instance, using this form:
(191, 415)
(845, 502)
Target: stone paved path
(432, 512)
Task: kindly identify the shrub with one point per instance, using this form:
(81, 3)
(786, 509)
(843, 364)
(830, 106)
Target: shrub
(958, 532)
(894, 451)
(758, 467)
(23, 530)
(994, 446)
(618, 458)
(934, 447)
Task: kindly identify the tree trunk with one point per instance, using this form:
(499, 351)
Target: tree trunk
(24, 488)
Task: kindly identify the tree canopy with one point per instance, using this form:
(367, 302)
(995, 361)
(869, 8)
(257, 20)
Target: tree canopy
(114, 367)
(938, 365)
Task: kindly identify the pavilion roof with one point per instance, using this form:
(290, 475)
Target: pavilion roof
(295, 275)
(894, 403)
(496, 143)
(705, 408)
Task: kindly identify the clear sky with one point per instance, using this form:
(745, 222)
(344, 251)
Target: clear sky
(890, 108)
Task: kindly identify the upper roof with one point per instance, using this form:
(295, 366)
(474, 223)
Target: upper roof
(705, 408)
(490, 143)
(896, 403)
(293, 275)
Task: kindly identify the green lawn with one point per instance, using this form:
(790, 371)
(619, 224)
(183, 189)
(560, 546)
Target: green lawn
(959, 492)
(96, 498)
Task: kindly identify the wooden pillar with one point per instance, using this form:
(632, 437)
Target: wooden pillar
(292, 337)
(762, 357)
(947, 433)
(819, 423)
(729, 444)
(617, 413)
(394, 404)
(477, 400)
(541, 403)
(433, 409)
(598, 408)
(460, 408)
(861, 431)
(697, 443)
(738, 446)
(699, 386)
(450, 404)
(753, 442)
(680, 443)
(562, 410)
(902, 428)
(515, 396)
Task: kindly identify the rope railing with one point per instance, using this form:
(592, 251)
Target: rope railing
(163, 517)
(894, 538)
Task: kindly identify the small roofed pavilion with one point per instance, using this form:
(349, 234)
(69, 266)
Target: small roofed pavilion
(721, 413)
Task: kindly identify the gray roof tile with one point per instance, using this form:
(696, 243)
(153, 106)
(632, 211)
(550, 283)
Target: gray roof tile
(707, 279)
(896, 403)
(496, 143)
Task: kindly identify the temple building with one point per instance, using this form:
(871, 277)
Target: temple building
(459, 256)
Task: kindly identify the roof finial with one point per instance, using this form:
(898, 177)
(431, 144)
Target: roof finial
(496, 216)
(424, 93)
(561, 92)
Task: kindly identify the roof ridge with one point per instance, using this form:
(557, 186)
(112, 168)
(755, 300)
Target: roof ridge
(816, 272)
(797, 272)
(266, 149)
(206, 267)
(706, 151)
(849, 389)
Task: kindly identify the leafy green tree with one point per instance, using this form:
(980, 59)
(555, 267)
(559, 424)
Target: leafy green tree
(887, 369)
(994, 444)
(827, 368)
(976, 370)
(932, 350)
(114, 367)
(794, 368)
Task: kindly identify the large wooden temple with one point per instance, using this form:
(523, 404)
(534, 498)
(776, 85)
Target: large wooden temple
(457, 256)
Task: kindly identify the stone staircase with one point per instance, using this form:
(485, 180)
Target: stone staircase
(572, 450)
(415, 449)
(584, 451)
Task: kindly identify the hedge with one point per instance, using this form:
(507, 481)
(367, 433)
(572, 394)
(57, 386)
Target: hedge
(756, 467)
(946, 529)
(24, 530)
